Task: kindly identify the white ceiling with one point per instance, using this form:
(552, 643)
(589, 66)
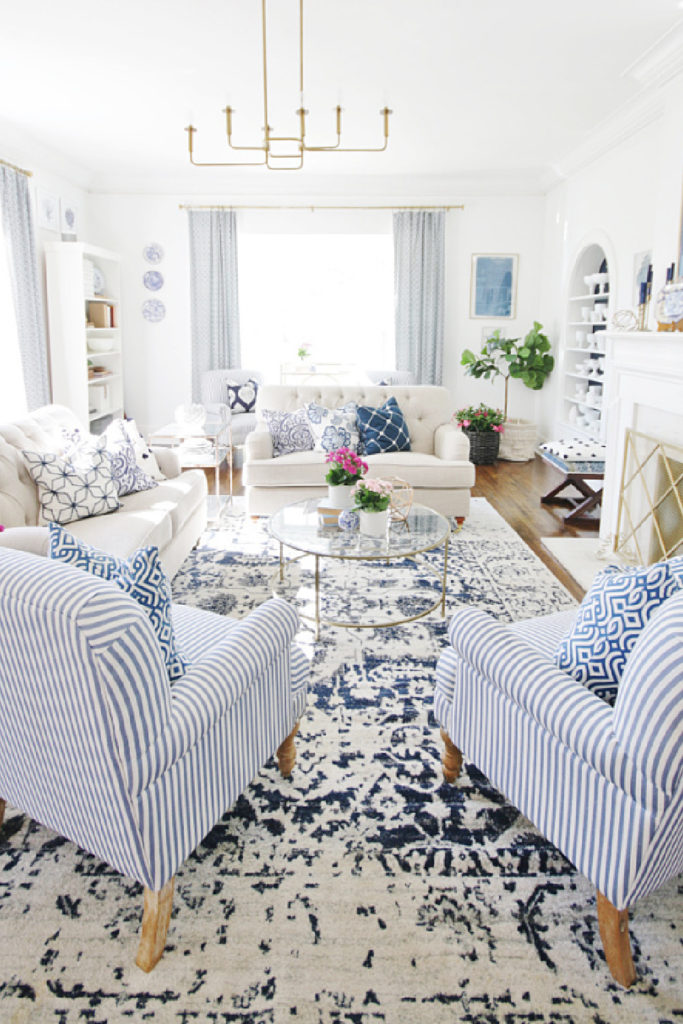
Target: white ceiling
(482, 90)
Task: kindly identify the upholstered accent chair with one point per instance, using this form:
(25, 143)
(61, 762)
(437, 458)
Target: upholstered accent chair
(214, 391)
(604, 784)
(98, 746)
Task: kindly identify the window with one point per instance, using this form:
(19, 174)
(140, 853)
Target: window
(330, 293)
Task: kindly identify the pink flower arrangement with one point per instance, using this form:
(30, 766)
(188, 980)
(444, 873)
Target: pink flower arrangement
(346, 467)
(480, 418)
(372, 495)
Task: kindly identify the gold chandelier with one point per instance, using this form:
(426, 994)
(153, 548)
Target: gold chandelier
(285, 161)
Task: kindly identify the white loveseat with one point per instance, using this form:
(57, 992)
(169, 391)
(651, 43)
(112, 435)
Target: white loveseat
(437, 466)
(171, 515)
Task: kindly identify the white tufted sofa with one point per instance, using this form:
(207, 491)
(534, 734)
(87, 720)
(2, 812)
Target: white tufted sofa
(437, 466)
(171, 515)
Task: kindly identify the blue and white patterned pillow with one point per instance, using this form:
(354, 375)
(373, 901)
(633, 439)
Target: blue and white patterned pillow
(120, 451)
(333, 428)
(142, 576)
(289, 430)
(242, 397)
(67, 492)
(610, 619)
(383, 429)
(126, 430)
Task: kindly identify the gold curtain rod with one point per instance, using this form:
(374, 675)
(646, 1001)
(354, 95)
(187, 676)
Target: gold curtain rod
(20, 170)
(248, 206)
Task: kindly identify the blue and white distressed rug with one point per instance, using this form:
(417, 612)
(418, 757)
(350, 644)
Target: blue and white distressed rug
(363, 889)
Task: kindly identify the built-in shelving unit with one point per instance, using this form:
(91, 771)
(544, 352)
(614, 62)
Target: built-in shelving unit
(583, 355)
(84, 317)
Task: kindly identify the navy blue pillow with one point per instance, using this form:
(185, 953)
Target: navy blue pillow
(383, 429)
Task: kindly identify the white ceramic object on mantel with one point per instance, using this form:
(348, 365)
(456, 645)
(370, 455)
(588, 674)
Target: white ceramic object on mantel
(340, 496)
(373, 524)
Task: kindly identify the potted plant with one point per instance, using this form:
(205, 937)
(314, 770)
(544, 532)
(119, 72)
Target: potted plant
(483, 426)
(526, 359)
(346, 469)
(372, 498)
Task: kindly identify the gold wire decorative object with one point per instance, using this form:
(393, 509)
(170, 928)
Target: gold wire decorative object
(401, 499)
(650, 512)
(295, 146)
(625, 320)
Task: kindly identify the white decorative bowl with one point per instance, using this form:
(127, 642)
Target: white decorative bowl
(100, 344)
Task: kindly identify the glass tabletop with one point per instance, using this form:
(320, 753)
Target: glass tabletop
(211, 429)
(298, 527)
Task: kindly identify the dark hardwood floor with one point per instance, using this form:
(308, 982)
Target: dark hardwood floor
(514, 489)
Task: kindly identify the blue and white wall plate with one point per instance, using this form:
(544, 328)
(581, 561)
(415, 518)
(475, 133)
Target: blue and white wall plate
(98, 281)
(153, 310)
(153, 280)
(153, 253)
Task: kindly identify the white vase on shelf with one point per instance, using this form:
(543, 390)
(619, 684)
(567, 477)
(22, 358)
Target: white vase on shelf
(373, 524)
(339, 495)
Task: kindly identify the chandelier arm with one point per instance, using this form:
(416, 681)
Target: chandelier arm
(385, 112)
(198, 163)
(228, 111)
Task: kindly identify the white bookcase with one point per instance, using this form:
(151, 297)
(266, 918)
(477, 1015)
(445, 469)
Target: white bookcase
(583, 357)
(86, 361)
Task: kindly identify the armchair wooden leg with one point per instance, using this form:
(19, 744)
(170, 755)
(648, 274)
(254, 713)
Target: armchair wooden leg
(2, 812)
(286, 753)
(452, 758)
(613, 926)
(155, 917)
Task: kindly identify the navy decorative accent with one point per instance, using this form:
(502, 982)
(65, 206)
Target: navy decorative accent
(290, 431)
(141, 576)
(242, 397)
(383, 429)
(611, 618)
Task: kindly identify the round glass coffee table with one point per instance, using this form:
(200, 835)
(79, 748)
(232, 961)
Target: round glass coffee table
(297, 526)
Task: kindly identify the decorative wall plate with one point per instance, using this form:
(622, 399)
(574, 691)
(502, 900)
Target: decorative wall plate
(153, 310)
(153, 253)
(98, 282)
(153, 280)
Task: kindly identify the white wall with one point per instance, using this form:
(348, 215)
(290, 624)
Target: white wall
(629, 201)
(157, 356)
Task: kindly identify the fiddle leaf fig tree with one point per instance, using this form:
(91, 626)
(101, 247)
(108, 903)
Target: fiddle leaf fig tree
(526, 359)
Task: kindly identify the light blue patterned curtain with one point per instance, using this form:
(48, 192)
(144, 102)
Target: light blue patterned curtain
(214, 295)
(419, 292)
(19, 237)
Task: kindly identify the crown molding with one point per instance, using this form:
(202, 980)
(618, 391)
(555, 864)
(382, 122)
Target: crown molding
(43, 161)
(661, 62)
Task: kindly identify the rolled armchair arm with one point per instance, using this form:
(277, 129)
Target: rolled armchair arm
(258, 445)
(451, 444)
(168, 461)
(213, 685)
(556, 701)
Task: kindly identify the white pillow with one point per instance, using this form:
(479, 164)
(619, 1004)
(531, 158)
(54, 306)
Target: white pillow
(333, 428)
(67, 492)
(144, 456)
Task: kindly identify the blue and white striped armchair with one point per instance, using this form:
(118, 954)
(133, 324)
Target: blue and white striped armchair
(97, 745)
(604, 784)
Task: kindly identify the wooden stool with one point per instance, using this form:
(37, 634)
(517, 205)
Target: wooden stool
(590, 497)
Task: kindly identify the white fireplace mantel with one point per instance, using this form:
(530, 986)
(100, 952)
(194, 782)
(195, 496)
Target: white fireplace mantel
(643, 390)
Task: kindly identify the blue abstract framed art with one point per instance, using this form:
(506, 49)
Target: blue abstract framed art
(493, 290)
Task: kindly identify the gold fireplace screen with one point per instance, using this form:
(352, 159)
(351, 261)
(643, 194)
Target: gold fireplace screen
(650, 515)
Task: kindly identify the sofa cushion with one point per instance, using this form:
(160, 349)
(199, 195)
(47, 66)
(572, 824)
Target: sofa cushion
(609, 621)
(67, 491)
(126, 531)
(177, 498)
(333, 428)
(241, 397)
(141, 576)
(383, 429)
(289, 430)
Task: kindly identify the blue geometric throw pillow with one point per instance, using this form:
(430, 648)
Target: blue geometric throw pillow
(242, 397)
(141, 576)
(383, 429)
(610, 619)
(289, 430)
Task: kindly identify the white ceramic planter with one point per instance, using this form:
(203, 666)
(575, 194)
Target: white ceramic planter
(373, 524)
(339, 495)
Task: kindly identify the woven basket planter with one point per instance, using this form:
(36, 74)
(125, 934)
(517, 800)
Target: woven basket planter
(483, 446)
(518, 441)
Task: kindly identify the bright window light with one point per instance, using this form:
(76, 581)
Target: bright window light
(12, 394)
(331, 294)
